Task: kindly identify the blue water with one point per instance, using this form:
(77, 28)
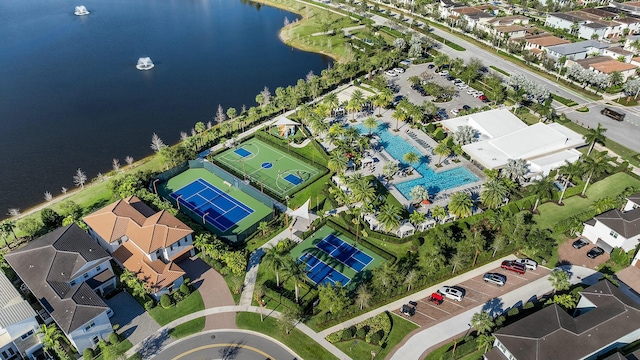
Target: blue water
(432, 181)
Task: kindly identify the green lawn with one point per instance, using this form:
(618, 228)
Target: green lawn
(190, 304)
(551, 213)
(189, 328)
(123, 346)
(359, 349)
(297, 341)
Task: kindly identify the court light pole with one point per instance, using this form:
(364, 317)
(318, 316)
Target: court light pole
(178, 201)
(203, 216)
(155, 188)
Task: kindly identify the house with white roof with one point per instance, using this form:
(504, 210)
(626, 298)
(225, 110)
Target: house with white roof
(501, 136)
(19, 336)
(616, 228)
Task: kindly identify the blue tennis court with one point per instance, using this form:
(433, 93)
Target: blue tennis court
(322, 273)
(218, 208)
(242, 152)
(293, 179)
(344, 252)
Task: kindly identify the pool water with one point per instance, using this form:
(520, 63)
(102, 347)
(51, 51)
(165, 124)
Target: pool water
(432, 181)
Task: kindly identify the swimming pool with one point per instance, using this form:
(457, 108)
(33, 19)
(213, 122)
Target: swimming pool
(432, 181)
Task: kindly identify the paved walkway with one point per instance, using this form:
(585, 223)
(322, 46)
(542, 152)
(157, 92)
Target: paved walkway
(154, 344)
(418, 344)
(214, 292)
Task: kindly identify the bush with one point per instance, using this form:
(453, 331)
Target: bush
(528, 305)
(113, 338)
(619, 257)
(362, 332)
(431, 127)
(88, 354)
(513, 312)
(184, 289)
(417, 242)
(149, 305)
(347, 334)
(166, 301)
(177, 296)
(500, 320)
(439, 135)
(376, 337)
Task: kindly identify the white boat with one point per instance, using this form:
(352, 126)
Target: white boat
(81, 10)
(145, 63)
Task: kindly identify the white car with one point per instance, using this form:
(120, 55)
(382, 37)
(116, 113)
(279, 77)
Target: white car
(444, 73)
(478, 94)
(451, 293)
(462, 86)
(454, 111)
(391, 73)
(457, 81)
(528, 263)
(398, 70)
(472, 91)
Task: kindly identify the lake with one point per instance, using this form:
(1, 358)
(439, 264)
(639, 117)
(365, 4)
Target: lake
(71, 97)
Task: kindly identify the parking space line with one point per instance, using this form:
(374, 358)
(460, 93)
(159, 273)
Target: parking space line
(437, 308)
(423, 314)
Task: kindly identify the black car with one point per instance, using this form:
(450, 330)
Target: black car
(450, 78)
(580, 243)
(595, 252)
(431, 66)
(466, 107)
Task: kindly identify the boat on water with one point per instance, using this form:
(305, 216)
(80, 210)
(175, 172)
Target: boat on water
(145, 63)
(81, 10)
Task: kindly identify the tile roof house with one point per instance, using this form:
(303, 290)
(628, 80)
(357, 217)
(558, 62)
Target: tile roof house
(616, 228)
(18, 324)
(63, 270)
(145, 242)
(541, 42)
(605, 319)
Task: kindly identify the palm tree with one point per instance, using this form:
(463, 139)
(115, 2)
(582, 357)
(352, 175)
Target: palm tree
(331, 100)
(411, 278)
(493, 193)
(363, 296)
(52, 339)
(461, 204)
(565, 301)
(131, 280)
(400, 115)
(542, 188)
(604, 204)
(416, 114)
(482, 322)
(337, 162)
(389, 216)
(263, 227)
(559, 279)
(593, 136)
(353, 107)
(440, 59)
(439, 212)
(370, 123)
(457, 260)
(296, 271)
(515, 169)
(569, 170)
(363, 191)
(595, 165)
(201, 240)
(304, 112)
(383, 99)
(275, 260)
(8, 227)
(411, 157)
(442, 150)
(485, 341)
(416, 217)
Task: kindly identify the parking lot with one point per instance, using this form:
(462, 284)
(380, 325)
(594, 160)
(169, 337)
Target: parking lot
(476, 292)
(568, 255)
(403, 88)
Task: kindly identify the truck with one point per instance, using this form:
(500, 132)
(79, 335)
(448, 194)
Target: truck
(615, 115)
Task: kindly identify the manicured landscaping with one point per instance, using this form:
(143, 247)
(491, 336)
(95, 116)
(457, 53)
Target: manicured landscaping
(297, 341)
(192, 303)
(499, 70)
(189, 328)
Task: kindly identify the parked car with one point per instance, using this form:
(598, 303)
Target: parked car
(483, 98)
(450, 78)
(457, 81)
(454, 112)
(472, 91)
(513, 266)
(528, 263)
(495, 278)
(580, 243)
(436, 298)
(451, 293)
(390, 73)
(408, 310)
(398, 70)
(595, 252)
(462, 86)
(466, 107)
(444, 73)
(430, 66)
(479, 93)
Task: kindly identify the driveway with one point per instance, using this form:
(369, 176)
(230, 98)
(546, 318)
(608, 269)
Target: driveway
(214, 292)
(567, 255)
(135, 323)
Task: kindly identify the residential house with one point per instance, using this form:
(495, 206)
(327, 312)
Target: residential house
(630, 42)
(593, 30)
(445, 6)
(565, 21)
(19, 336)
(618, 53)
(604, 320)
(604, 64)
(145, 242)
(472, 15)
(538, 43)
(509, 31)
(576, 51)
(64, 270)
(630, 7)
(616, 228)
(508, 20)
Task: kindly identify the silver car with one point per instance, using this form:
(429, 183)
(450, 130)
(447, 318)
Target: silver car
(451, 293)
(495, 278)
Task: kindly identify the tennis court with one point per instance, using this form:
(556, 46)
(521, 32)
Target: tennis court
(344, 252)
(321, 273)
(212, 204)
(268, 167)
(332, 256)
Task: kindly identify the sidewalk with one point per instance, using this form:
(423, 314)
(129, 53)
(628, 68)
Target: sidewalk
(155, 343)
(418, 344)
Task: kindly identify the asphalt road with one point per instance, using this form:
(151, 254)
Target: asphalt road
(225, 345)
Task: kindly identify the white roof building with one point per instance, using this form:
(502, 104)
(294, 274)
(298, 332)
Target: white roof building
(502, 136)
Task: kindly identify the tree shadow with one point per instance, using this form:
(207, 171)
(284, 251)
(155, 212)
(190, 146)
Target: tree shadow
(494, 307)
(230, 351)
(152, 345)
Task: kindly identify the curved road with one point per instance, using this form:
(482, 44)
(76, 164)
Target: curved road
(226, 344)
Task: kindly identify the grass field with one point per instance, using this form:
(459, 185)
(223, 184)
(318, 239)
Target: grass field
(190, 304)
(260, 211)
(274, 169)
(308, 245)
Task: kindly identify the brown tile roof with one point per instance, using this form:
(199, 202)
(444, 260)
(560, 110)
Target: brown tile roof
(132, 218)
(619, 50)
(547, 40)
(48, 264)
(552, 333)
(508, 28)
(156, 274)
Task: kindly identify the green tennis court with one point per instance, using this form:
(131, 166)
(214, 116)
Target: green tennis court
(268, 167)
(244, 225)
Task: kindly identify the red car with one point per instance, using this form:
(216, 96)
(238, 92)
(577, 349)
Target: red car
(513, 266)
